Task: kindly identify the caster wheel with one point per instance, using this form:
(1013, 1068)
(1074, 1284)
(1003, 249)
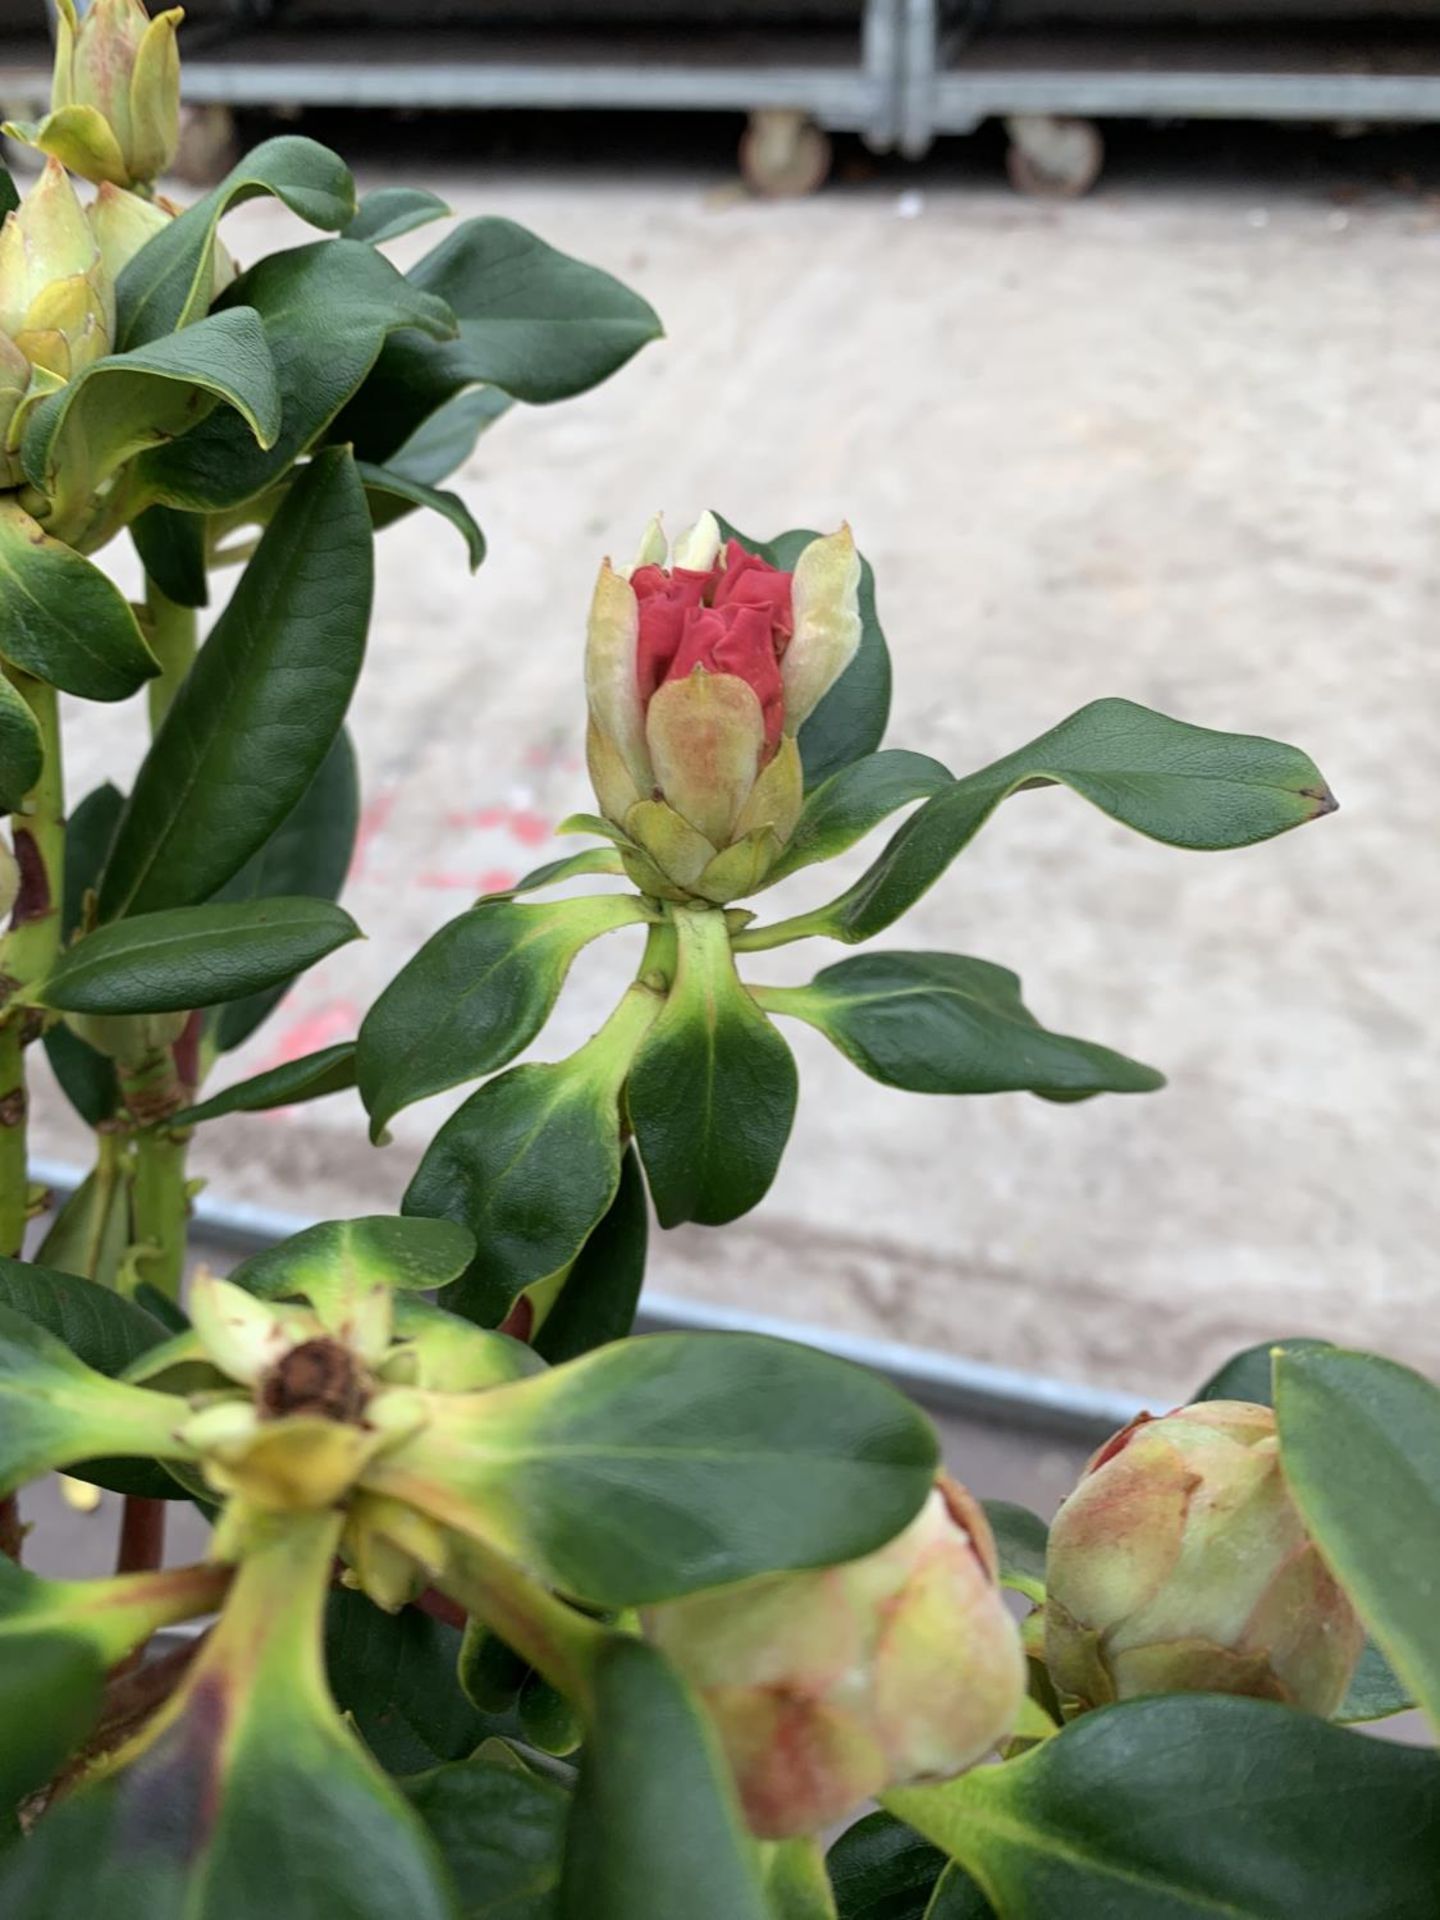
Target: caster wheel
(208, 147)
(1052, 159)
(784, 155)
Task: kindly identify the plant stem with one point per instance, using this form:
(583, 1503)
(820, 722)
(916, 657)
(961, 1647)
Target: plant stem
(780, 933)
(558, 1642)
(14, 1182)
(171, 631)
(12, 1528)
(142, 1535)
(161, 1209)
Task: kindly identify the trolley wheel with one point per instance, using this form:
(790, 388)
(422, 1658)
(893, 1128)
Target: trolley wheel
(784, 155)
(1053, 159)
(208, 146)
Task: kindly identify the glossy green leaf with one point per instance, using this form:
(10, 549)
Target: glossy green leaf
(1375, 1693)
(659, 1466)
(391, 495)
(99, 1326)
(171, 546)
(602, 1289)
(956, 1897)
(21, 754)
(1360, 1445)
(266, 1802)
(259, 709)
(9, 192)
(169, 281)
(447, 438)
(49, 1701)
(309, 853)
(61, 618)
(882, 1870)
(533, 323)
(394, 1674)
(712, 1092)
(326, 309)
(1195, 1805)
(386, 212)
(55, 1410)
(849, 722)
(1183, 785)
(1021, 1540)
(501, 1830)
(574, 866)
(797, 1886)
(311, 1077)
(353, 1255)
(655, 1832)
(86, 1077)
(193, 956)
(475, 995)
(152, 396)
(843, 808)
(944, 1023)
(1250, 1375)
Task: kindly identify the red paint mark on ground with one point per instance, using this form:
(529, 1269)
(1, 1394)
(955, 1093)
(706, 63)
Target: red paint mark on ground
(373, 820)
(530, 829)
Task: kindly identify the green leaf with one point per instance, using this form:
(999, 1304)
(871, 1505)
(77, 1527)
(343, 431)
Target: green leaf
(712, 1093)
(62, 619)
(309, 853)
(171, 546)
(326, 309)
(391, 496)
(797, 1886)
(9, 192)
(502, 1832)
(844, 808)
(1021, 1540)
(475, 995)
(168, 283)
(1186, 786)
(387, 212)
(55, 1410)
(602, 1289)
(1249, 1375)
(533, 322)
(86, 1077)
(155, 394)
(259, 709)
(956, 1897)
(530, 1164)
(394, 1674)
(447, 439)
(193, 956)
(90, 1233)
(312, 1077)
(943, 1023)
(411, 1256)
(99, 1326)
(49, 1701)
(574, 866)
(882, 1870)
(663, 1465)
(1375, 1693)
(849, 722)
(1360, 1445)
(655, 1832)
(21, 752)
(1195, 1805)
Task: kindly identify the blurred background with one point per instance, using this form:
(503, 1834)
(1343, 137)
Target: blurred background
(1111, 330)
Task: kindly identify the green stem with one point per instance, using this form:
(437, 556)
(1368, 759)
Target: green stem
(780, 933)
(161, 1209)
(14, 1178)
(561, 1644)
(171, 631)
(657, 963)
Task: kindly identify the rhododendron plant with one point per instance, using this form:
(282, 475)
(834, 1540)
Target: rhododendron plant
(500, 1609)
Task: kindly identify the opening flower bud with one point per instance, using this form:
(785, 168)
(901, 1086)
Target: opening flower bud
(829, 1687)
(124, 222)
(57, 302)
(1180, 1564)
(115, 96)
(699, 677)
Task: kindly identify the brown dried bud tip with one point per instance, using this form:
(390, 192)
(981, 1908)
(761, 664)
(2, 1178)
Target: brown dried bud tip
(319, 1377)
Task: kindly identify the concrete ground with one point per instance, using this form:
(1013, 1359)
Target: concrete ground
(1175, 442)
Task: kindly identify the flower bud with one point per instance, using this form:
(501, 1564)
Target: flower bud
(14, 379)
(116, 92)
(831, 1686)
(57, 302)
(699, 677)
(1180, 1564)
